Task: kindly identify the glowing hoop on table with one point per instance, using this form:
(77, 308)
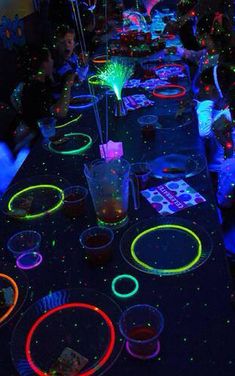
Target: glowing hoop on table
(16, 296)
(106, 355)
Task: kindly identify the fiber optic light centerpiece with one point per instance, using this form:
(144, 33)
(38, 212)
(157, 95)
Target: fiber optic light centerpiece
(166, 247)
(13, 292)
(115, 75)
(34, 198)
(80, 320)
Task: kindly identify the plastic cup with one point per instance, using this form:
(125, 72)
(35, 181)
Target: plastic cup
(75, 201)
(47, 127)
(141, 326)
(142, 172)
(97, 242)
(28, 241)
(148, 126)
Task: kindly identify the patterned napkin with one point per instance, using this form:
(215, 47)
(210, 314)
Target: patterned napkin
(173, 196)
(136, 101)
(132, 83)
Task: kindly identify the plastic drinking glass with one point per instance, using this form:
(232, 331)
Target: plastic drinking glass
(141, 326)
(142, 172)
(28, 241)
(97, 242)
(75, 201)
(47, 127)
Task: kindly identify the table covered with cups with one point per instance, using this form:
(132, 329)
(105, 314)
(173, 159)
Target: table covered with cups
(117, 266)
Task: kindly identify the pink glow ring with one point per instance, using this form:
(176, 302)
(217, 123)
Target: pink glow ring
(20, 264)
(143, 357)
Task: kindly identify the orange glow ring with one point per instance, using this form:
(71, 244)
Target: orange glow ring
(100, 59)
(16, 296)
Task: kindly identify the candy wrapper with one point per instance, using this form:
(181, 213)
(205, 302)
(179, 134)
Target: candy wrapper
(173, 196)
(70, 363)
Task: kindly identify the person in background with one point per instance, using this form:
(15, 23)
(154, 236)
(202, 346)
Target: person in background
(185, 26)
(66, 60)
(37, 100)
(216, 108)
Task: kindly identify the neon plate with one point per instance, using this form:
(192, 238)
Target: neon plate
(17, 280)
(172, 166)
(169, 91)
(83, 102)
(34, 198)
(81, 319)
(166, 247)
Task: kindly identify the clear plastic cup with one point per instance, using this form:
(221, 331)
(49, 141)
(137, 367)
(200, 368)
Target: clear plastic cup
(97, 242)
(28, 241)
(141, 172)
(75, 201)
(47, 127)
(148, 125)
(141, 326)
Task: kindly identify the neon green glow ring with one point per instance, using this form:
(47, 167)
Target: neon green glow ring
(129, 294)
(69, 122)
(169, 226)
(117, 224)
(94, 80)
(75, 151)
(38, 215)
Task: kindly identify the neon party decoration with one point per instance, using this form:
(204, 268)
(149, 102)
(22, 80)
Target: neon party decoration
(94, 80)
(128, 294)
(34, 188)
(161, 227)
(171, 87)
(100, 59)
(115, 75)
(80, 150)
(36, 259)
(156, 352)
(16, 296)
(69, 122)
(89, 101)
(49, 313)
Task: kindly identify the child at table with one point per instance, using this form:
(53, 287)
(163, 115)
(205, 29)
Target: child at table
(37, 101)
(66, 60)
(214, 34)
(216, 109)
